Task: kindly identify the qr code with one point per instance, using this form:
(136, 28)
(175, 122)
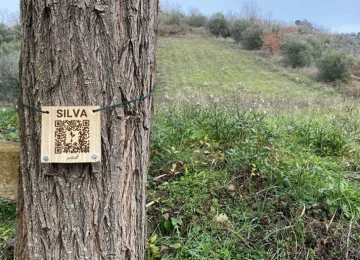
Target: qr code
(72, 136)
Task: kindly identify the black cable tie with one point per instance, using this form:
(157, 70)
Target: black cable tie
(126, 102)
(32, 108)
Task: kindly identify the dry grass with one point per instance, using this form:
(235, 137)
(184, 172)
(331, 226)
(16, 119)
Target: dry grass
(352, 89)
(9, 164)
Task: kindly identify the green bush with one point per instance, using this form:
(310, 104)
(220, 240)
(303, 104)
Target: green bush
(196, 19)
(173, 17)
(253, 37)
(218, 25)
(238, 28)
(9, 33)
(9, 125)
(9, 61)
(8, 48)
(334, 65)
(9, 39)
(317, 45)
(296, 52)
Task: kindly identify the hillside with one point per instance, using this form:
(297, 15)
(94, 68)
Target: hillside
(249, 160)
(194, 68)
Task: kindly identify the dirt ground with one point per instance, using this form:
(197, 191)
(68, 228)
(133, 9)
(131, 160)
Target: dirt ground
(9, 167)
(4, 104)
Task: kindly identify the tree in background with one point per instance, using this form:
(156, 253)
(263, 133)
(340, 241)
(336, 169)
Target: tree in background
(238, 27)
(9, 39)
(218, 25)
(318, 45)
(253, 37)
(196, 18)
(251, 10)
(296, 52)
(334, 65)
(232, 16)
(9, 77)
(172, 17)
(99, 53)
(268, 19)
(9, 62)
(172, 20)
(304, 26)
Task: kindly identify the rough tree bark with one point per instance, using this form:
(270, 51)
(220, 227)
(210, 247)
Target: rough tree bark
(86, 52)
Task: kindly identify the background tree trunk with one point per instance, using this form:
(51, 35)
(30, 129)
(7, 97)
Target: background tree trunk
(86, 52)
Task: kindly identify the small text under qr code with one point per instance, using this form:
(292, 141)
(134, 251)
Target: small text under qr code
(72, 136)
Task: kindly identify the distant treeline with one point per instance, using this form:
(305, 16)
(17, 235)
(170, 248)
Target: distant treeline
(9, 61)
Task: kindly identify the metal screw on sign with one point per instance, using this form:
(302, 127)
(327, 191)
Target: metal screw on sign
(46, 158)
(94, 156)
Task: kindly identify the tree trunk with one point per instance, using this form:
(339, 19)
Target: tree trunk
(80, 53)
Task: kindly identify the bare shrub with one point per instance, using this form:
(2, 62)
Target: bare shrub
(173, 29)
(351, 89)
(355, 70)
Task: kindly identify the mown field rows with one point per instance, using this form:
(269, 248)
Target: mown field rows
(193, 68)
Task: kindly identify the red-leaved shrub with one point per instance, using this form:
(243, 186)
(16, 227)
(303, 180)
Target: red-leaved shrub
(272, 43)
(355, 70)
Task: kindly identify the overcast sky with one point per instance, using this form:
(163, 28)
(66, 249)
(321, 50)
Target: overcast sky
(338, 15)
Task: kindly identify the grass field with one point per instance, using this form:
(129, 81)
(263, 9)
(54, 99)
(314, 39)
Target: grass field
(249, 160)
(194, 68)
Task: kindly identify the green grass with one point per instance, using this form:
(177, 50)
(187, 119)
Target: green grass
(7, 226)
(189, 65)
(9, 129)
(254, 161)
(287, 186)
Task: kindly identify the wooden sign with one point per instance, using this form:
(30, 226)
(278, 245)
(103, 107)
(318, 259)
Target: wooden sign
(70, 135)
